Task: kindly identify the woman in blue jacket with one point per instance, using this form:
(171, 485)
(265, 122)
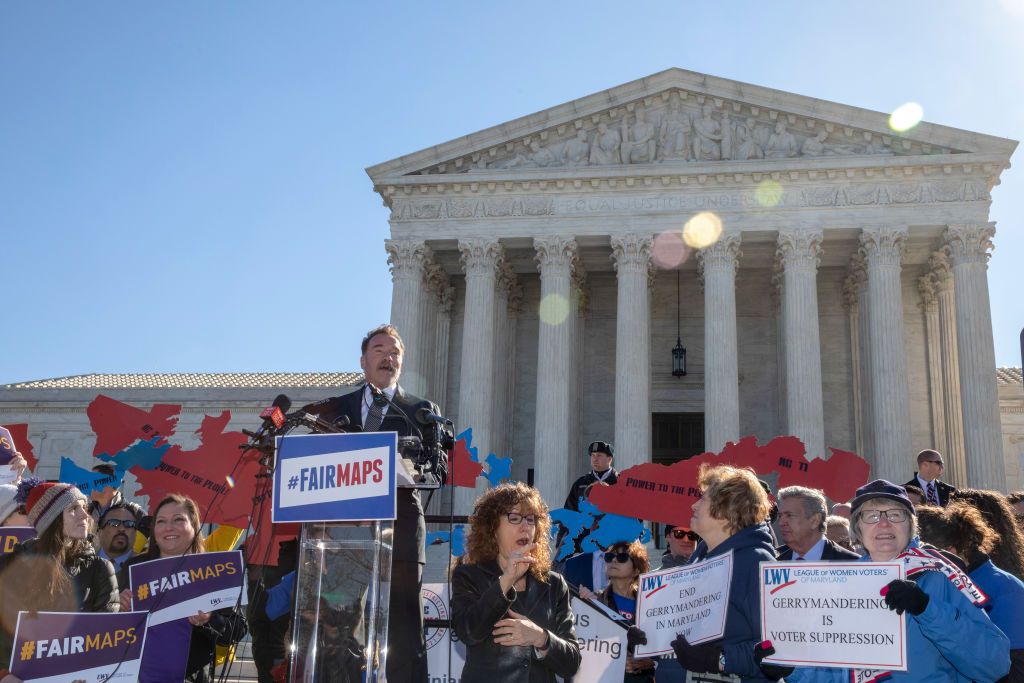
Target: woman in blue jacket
(731, 516)
(949, 639)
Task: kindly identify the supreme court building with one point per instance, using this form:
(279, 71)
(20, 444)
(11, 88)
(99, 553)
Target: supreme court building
(831, 283)
(541, 268)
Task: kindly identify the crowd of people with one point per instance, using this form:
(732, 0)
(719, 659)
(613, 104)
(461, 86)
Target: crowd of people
(510, 599)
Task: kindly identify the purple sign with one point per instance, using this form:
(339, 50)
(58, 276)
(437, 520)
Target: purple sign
(7, 447)
(178, 587)
(11, 536)
(56, 647)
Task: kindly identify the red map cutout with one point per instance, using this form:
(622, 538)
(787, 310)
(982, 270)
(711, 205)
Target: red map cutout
(462, 470)
(119, 425)
(19, 433)
(665, 493)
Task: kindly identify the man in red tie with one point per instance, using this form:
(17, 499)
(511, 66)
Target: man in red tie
(929, 468)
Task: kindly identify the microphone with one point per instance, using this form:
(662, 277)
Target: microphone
(319, 424)
(426, 416)
(273, 417)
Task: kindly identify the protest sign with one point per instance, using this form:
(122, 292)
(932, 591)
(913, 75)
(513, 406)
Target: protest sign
(88, 646)
(335, 477)
(177, 587)
(691, 600)
(11, 536)
(602, 644)
(446, 654)
(7, 452)
(808, 605)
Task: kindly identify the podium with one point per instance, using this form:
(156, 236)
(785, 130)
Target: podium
(342, 487)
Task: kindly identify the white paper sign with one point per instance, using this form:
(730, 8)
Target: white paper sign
(446, 654)
(691, 600)
(831, 614)
(602, 645)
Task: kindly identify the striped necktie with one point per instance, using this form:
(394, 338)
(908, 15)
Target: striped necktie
(375, 416)
(933, 495)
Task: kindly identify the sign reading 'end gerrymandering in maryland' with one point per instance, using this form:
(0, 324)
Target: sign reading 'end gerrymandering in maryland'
(57, 647)
(335, 477)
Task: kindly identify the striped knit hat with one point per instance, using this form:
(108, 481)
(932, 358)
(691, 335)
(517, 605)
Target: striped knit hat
(46, 501)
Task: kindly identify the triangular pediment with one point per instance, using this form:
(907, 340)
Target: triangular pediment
(676, 118)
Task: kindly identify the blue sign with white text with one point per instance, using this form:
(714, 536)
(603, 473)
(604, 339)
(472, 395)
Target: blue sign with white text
(335, 477)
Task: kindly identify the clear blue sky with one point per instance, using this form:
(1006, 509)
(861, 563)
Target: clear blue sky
(182, 184)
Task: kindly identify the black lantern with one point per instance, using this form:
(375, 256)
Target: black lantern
(679, 352)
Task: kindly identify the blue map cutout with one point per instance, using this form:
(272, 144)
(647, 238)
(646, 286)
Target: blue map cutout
(590, 529)
(458, 543)
(146, 454)
(85, 480)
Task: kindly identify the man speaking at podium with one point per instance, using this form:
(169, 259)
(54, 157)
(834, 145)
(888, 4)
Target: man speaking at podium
(367, 407)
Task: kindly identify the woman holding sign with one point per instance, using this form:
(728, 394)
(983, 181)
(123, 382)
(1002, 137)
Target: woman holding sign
(56, 572)
(508, 607)
(949, 638)
(176, 532)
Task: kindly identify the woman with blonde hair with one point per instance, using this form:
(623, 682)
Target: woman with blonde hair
(508, 607)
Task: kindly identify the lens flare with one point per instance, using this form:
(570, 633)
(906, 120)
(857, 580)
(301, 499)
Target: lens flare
(230, 481)
(768, 193)
(906, 116)
(702, 230)
(554, 309)
(669, 250)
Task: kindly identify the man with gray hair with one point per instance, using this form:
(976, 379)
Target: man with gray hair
(802, 515)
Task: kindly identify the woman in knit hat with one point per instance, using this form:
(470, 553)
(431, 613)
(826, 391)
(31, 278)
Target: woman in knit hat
(949, 638)
(12, 513)
(58, 571)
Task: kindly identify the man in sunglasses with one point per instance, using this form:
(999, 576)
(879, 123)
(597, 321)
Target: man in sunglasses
(116, 534)
(681, 544)
(930, 467)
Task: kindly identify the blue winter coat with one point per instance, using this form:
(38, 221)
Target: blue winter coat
(750, 547)
(1005, 606)
(952, 641)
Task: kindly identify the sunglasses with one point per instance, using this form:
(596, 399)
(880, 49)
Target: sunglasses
(115, 523)
(681, 534)
(616, 557)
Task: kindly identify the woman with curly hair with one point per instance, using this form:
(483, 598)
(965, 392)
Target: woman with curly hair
(508, 607)
(961, 529)
(1008, 549)
(624, 562)
(56, 572)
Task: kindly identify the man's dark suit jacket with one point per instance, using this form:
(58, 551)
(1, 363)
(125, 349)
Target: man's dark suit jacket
(832, 552)
(942, 488)
(579, 570)
(410, 529)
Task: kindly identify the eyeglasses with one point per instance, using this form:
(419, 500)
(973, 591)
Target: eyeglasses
(681, 534)
(616, 557)
(895, 516)
(114, 523)
(516, 518)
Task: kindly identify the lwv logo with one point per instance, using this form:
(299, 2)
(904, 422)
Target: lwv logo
(778, 577)
(651, 585)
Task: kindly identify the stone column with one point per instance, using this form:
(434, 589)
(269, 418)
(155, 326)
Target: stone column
(968, 247)
(718, 264)
(439, 285)
(480, 260)
(890, 389)
(578, 313)
(556, 257)
(858, 269)
(853, 318)
(956, 462)
(631, 255)
(926, 285)
(504, 361)
(408, 259)
(799, 252)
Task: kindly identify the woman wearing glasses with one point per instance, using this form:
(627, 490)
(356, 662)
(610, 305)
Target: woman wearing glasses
(623, 564)
(508, 607)
(948, 637)
(681, 544)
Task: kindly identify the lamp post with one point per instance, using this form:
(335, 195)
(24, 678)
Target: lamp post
(679, 352)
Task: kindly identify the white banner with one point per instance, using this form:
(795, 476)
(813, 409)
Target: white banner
(691, 600)
(602, 644)
(831, 614)
(443, 664)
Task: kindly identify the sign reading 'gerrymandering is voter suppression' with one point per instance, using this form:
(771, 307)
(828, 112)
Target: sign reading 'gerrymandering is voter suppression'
(832, 614)
(335, 477)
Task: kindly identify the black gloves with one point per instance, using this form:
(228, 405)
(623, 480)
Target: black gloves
(700, 659)
(905, 596)
(635, 637)
(772, 671)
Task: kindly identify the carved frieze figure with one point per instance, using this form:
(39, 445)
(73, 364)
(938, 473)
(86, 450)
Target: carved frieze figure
(707, 137)
(638, 144)
(744, 145)
(781, 144)
(674, 137)
(876, 147)
(605, 148)
(577, 150)
(816, 147)
(541, 156)
(727, 136)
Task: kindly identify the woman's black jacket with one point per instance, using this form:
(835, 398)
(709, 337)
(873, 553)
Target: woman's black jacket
(478, 603)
